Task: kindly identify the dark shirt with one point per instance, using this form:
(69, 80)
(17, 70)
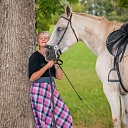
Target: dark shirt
(36, 62)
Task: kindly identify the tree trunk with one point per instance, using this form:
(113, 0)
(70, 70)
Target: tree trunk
(17, 40)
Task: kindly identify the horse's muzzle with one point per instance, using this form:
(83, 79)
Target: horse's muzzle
(52, 53)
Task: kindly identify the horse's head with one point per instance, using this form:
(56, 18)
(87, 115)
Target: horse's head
(63, 36)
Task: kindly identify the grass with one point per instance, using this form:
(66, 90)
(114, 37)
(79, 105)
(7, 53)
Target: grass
(94, 110)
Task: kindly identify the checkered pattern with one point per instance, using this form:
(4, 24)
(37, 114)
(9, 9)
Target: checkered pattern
(41, 101)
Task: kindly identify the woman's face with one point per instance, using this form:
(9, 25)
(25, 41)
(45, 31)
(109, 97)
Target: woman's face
(42, 40)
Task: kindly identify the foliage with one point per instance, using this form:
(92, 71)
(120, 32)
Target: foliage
(48, 11)
(123, 3)
(109, 9)
(44, 11)
(78, 7)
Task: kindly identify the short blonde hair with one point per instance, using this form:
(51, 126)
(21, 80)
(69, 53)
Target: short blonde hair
(45, 33)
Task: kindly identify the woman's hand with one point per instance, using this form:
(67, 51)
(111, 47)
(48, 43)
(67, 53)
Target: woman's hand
(50, 64)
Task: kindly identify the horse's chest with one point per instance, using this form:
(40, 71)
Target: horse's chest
(103, 65)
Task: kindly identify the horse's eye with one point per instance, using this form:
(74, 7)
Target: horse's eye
(59, 29)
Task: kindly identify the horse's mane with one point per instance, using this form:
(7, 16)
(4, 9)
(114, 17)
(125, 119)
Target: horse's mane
(106, 25)
(115, 23)
(91, 16)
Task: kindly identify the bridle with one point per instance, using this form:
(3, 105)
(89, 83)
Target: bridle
(58, 52)
(56, 47)
(69, 22)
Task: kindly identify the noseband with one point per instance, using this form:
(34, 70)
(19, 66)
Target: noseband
(56, 47)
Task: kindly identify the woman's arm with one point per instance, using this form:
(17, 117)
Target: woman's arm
(59, 74)
(40, 72)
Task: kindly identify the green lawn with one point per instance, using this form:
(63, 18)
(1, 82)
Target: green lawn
(94, 110)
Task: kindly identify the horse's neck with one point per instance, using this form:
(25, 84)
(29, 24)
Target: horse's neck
(93, 31)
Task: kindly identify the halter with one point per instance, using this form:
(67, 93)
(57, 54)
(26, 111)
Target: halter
(56, 47)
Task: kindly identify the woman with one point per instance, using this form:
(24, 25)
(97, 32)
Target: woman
(40, 93)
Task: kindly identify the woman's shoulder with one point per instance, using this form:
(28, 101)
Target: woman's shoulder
(34, 55)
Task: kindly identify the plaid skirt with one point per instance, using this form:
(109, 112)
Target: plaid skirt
(41, 102)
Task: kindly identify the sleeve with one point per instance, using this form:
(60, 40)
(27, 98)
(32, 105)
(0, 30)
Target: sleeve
(33, 65)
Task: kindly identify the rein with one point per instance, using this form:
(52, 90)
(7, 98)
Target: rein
(57, 53)
(70, 83)
(60, 62)
(52, 94)
(53, 107)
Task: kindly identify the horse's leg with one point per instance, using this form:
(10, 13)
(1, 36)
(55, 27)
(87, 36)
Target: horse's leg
(124, 102)
(112, 94)
(111, 89)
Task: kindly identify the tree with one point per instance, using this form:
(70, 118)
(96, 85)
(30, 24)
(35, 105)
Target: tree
(17, 43)
(113, 10)
(17, 30)
(78, 7)
(123, 3)
(45, 9)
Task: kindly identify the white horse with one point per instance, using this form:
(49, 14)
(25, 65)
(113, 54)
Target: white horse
(93, 31)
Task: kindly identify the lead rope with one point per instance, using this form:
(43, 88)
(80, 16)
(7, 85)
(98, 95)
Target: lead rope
(61, 62)
(71, 83)
(53, 108)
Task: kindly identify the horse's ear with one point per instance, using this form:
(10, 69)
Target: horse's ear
(68, 11)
